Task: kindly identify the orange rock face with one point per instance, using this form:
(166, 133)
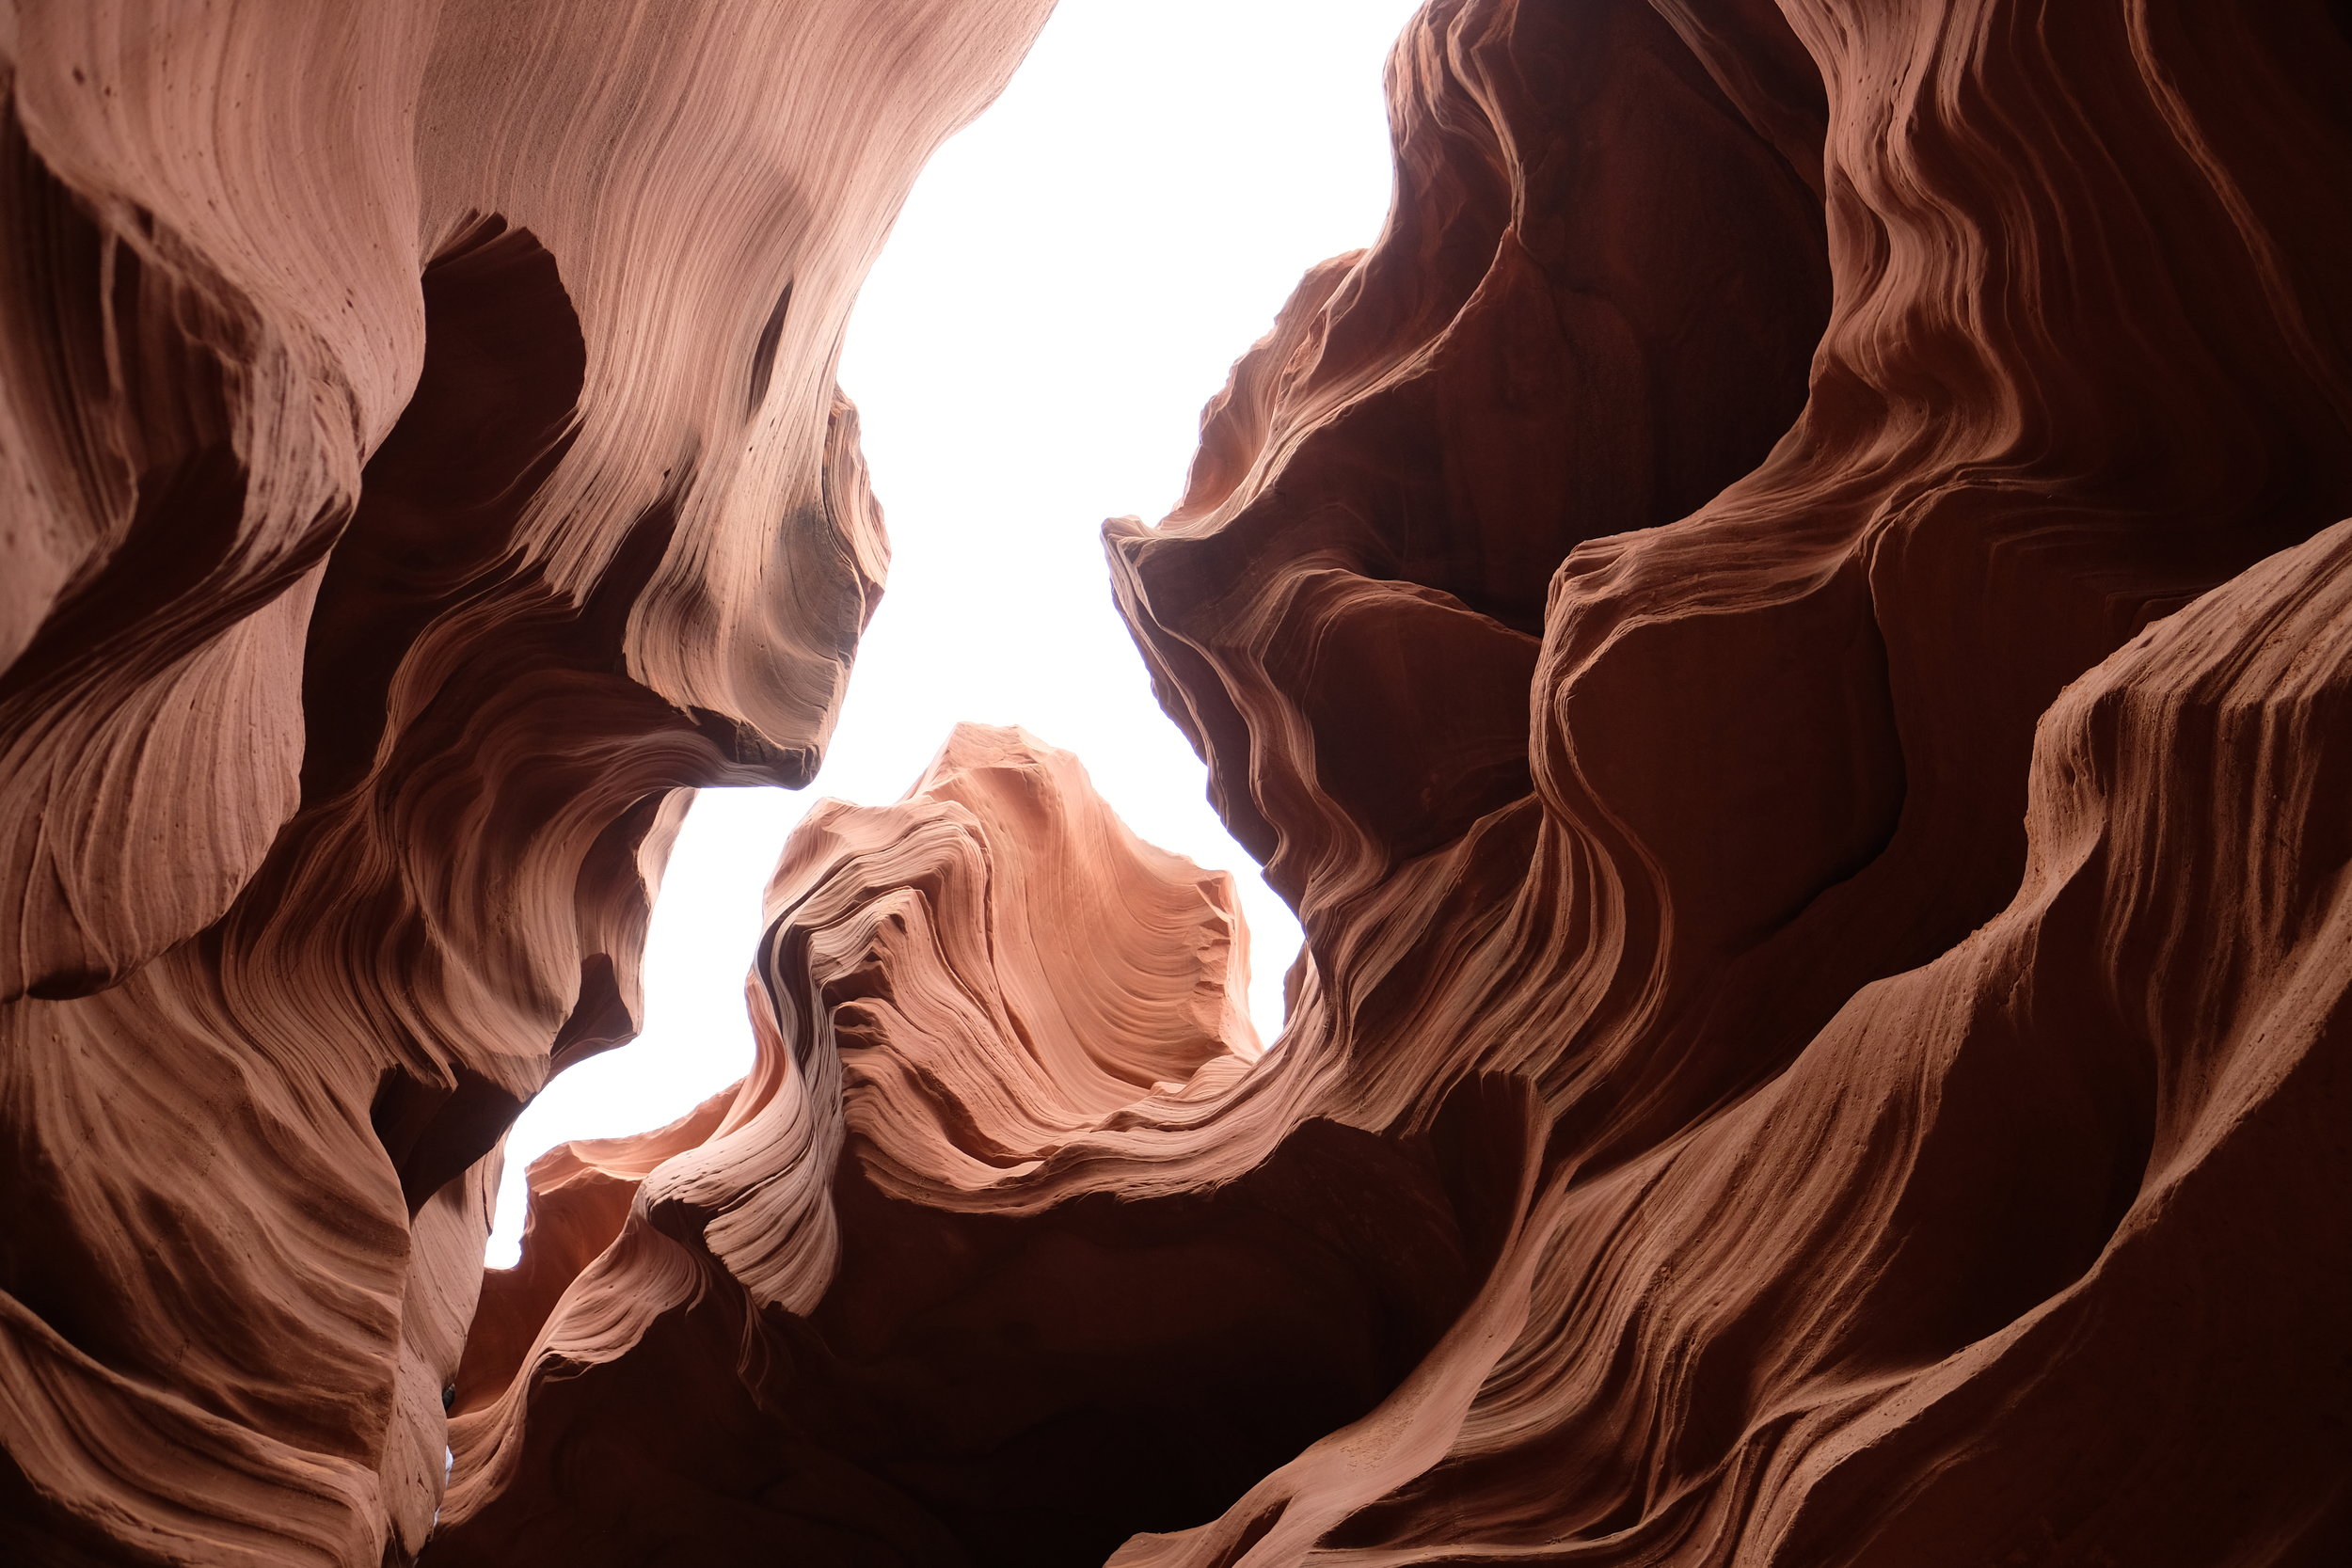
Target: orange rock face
(421, 461)
(1787, 631)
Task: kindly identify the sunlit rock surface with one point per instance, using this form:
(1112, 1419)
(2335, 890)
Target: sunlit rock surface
(421, 461)
(1020, 1320)
(1786, 632)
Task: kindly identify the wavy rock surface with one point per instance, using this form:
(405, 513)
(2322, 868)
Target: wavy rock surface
(1787, 633)
(421, 465)
(993, 1335)
(1786, 630)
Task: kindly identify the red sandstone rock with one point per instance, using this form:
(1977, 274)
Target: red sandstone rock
(1013, 1328)
(1787, 631)
(422, 461)
(1783, 633)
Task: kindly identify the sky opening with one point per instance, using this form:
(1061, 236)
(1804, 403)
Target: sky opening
(1068, 282)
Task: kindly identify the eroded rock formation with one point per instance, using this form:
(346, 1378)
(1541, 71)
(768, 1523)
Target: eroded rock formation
(1787, 632)
(421, 462)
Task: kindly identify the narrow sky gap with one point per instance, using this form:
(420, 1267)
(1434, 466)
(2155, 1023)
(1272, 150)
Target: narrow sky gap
(1068, 284)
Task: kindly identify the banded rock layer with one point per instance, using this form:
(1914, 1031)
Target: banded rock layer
(1787, 631)
(422, 464)
(1789, 634)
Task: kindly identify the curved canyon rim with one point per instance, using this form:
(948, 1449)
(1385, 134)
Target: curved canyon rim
(1783, 630)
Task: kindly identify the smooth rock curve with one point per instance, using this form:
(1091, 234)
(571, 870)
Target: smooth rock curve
(421, 465)
(1786, 632)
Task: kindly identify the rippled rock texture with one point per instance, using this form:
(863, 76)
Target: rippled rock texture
(422, 462)
(1787, 631)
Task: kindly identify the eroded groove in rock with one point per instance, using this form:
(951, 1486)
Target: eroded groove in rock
(1787, 633)
(387, 546)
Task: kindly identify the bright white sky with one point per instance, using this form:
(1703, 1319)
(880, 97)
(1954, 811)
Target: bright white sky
(1068, 284)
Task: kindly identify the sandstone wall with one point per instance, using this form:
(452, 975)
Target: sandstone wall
(422, 464)
(1786, 630)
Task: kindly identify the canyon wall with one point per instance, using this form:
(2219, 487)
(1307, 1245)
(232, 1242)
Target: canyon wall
(1786, 629)
(1787, 632)
(422, 465)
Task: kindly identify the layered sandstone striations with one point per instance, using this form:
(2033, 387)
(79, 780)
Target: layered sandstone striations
(1787, 632)
(1010, 1328)
(1786, 629)
(421, 463)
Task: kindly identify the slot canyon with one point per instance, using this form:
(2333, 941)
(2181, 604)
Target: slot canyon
(1786, 632)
